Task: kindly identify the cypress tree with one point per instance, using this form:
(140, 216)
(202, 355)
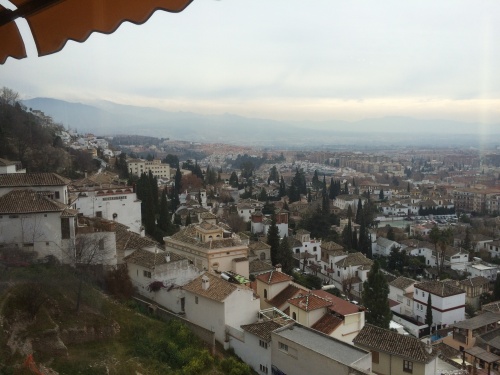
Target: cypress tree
(496, 290)
(355, 240)
(381, 194)
(359, 212)
(285, 256)
(428, 312)
(273, 239)
(331, 193)
(164, 219)
(375, 298)
(347, 235)
(178, 179)
(346, 188)
(325, 206)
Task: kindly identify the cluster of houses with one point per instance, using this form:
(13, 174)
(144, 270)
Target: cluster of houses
(225, 283)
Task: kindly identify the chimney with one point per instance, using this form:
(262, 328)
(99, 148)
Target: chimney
(167, 257)
(428, 346)
(205, 282)
(278, 267)
(143, 231)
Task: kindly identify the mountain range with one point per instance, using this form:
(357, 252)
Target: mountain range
(108, 118)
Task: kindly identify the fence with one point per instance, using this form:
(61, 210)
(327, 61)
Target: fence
(203, 334)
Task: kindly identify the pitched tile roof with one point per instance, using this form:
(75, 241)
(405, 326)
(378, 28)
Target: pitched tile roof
(259, 245)
(289, 292)
(387, 341)
(327, 324)
(149, 259)
(338, 306)
(475, 281)
(258, 266)
(218, 290)
(439, 288)
(402, 282)
(28, 201)
(309, 302)
(127, 240)
(188, 235)
(478, 321)
(355, 259)
(274, 277)
(32, 179)
(330, 245)
(262, 329)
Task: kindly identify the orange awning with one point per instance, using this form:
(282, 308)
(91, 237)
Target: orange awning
(54, 22)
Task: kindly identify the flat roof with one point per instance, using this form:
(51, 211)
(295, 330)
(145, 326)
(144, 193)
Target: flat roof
(323, 344)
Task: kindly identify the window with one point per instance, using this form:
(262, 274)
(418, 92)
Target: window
(98, 214)
(264, 369)
(265, 293)
(101, 244)
(408, 366)
(408, 302)
(263, 344)
(294, 315)
(65, 233)
(146, 274)
(282, 346)
(57, 195)
(375, 356)
(196, 299)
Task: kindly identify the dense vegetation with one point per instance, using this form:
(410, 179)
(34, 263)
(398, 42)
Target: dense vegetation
(37, 306)
(34, 141)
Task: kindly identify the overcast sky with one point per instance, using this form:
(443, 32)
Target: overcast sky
(288, 59)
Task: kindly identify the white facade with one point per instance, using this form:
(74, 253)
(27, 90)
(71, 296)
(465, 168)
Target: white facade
(120, 205)
(297, 351)
(488, 271)
(156, 167)
(446, 309)
(238, 308)
(253, 350)
(41, 232)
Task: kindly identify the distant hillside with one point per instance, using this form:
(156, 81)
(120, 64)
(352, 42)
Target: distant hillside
(106, 118)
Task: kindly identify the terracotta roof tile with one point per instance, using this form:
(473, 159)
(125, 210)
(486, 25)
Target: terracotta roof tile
(32, 179)
(355, 259)
(274, 277)
(289, 292)
(387, 341)
(257, 266)
(218, 290)
(27, 201)
(339, 306)
(309, 302)
(439, 288)
(327, 324)
(262, 329)
(149, 259)
(402, 282)
(127, 240)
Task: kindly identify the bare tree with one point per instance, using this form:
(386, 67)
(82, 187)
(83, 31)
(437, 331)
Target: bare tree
(8, 96)
(85, 253)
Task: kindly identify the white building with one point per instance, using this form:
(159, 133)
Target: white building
(156, 167)
(297, 350)
(51, 185)
(401, 291)
(447, 300)
(302, 242)
(118, 204)
(480, 268)
(170, 272)
(260, 223)
(217, 304)
(209, 247)
(7, 166)
(31, 221)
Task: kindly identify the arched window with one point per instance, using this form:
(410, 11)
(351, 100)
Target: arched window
(263, 256)
(294, 316)
(265, 293)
